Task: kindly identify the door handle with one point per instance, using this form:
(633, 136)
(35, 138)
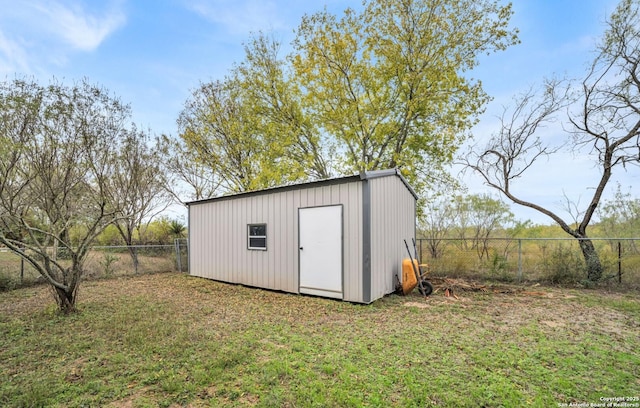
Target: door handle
(301, 248)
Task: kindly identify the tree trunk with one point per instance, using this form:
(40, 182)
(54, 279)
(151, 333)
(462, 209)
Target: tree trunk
(134, 257)
(66, 300)
(591, 259)
(434, 247)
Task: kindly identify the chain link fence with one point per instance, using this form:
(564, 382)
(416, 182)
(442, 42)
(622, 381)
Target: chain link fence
(102, 262)
(518, 260)
(521, 260)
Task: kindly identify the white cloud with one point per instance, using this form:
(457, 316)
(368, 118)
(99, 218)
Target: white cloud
(241, 16)
(36, 33)
(79, 28)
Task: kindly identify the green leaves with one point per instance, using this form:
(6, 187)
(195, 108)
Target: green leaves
(60, 154)
(389, 83)
(378, 88)
(248, 134)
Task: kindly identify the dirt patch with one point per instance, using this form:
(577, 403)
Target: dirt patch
(24, 301)
(130, 401)
(552, 324)
(504, 308)
(416, 304)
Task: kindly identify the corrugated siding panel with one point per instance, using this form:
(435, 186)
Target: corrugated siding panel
(352, 227)
(392, 221)
(218, 237)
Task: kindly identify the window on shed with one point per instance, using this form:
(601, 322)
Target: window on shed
(257, 236)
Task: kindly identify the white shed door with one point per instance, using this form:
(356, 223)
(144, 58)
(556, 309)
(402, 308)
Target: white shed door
(320, 241)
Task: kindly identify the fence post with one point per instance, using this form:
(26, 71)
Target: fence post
(135, 259)
(519, 260)
(176, 243)
(21, 271)
(619, 262)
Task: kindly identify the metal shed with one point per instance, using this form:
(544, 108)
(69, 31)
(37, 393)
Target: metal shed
(340, 238)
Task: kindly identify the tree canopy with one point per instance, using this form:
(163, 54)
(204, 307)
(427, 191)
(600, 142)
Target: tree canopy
(138, 186)
(59, 150)
(387, 86)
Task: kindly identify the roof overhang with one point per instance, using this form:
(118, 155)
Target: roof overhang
(367, 175)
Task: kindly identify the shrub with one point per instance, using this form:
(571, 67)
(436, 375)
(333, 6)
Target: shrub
(499, 268)
(6, 281)
(564, 266)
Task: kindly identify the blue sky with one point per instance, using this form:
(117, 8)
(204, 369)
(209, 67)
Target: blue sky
(152, 53)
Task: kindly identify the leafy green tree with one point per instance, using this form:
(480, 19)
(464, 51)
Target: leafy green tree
(57, 159)
(384, 87)
(249, 129)
(186, 176)
(139, 187)
(620, 218)
(603, 125)
(110, 236)
(436, 225)
(275, 103)
(487, 217)
(217, 127)
(479, 217)
(390, 84)
(620, 215)
(473, 219)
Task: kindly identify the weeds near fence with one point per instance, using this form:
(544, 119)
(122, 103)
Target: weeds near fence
(6, 281)
(563, 266)
(554, 261)
(102, 262)
(499, 268)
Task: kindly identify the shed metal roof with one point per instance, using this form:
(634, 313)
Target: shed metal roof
(367, 175)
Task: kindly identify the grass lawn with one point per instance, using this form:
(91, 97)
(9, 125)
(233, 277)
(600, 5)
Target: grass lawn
(171, 340)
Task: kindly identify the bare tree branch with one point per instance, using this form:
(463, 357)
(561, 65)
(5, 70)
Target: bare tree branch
(606, 123)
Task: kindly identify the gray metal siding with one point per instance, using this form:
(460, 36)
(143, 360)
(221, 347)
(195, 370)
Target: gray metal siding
(218, 232)
(393, 215)
(366, 241)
